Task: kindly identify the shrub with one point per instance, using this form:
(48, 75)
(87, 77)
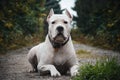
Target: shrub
(18, 20)
(102, 70)
(100, 20)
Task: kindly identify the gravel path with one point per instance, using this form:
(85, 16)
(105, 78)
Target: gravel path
(14, 64)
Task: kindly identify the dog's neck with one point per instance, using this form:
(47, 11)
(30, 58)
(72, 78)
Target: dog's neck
(57, 45)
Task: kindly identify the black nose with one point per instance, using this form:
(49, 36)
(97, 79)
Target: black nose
(60, 28)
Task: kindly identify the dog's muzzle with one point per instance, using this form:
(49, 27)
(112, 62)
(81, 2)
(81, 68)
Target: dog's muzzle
(58, 41)
(59, 38)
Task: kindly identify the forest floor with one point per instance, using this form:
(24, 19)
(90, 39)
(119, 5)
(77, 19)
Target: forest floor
(14, 64)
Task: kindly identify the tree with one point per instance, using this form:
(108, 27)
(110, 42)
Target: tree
(18, 18)
(53, 4)
(99, 18)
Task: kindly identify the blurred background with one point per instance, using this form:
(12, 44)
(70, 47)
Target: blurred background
(95, 22)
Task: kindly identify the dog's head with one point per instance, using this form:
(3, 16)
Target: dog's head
(59, 26)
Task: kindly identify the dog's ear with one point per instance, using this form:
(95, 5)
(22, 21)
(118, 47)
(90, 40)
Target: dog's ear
(50, 14)
(68, 14)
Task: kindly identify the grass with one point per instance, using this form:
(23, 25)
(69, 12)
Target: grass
(74, 42)
(87, 54)
(103, 70)
(100, 41)
(20, 42)
(25, 41)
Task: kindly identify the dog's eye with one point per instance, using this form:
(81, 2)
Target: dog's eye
(65, 22)
(53, 22)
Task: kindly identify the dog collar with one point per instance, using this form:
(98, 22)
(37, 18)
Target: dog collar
(57, 45)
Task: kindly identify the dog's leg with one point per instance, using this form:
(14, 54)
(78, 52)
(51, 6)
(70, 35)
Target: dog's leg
(32, 58)
(74, 70)
(33, 62)
(51, 68)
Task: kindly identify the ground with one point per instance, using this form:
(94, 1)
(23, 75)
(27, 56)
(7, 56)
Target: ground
(14, 64)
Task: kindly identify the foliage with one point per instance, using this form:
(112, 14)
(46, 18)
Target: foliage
(100, 20)
(53, 4)
(104, 70)
(19, 19)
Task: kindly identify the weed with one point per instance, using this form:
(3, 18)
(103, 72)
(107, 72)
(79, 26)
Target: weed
(103, 70)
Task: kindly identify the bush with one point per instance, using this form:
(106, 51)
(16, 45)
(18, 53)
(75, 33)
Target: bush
(105, 70)
(100, 20)
(19, 19)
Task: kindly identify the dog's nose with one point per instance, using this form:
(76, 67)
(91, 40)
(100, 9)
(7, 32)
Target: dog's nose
(60, 28)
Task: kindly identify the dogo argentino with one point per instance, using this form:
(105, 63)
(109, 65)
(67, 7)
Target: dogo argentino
(56, 54)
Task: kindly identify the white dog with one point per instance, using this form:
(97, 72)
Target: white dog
(56, 54)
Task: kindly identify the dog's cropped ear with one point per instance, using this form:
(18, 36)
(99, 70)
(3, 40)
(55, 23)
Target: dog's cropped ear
(68, 14)
(50, 14)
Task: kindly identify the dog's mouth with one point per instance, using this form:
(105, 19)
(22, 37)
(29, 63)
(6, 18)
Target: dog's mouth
(59, 38)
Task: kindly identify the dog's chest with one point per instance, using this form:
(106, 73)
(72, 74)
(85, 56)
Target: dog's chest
(59, 59)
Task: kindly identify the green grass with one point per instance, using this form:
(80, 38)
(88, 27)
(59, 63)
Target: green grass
(83, 52)
(102, 70)
(20, 41)
(87, 54)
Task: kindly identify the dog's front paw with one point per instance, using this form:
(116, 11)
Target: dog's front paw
(55, 73)
(74, 73)
(74, 70)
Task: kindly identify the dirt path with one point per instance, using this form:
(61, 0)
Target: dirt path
(14, 64)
